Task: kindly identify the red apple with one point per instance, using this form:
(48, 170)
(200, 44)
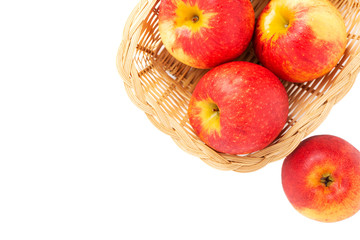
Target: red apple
(300, 40)
(206, 33)
(238, 108)
(321, 178)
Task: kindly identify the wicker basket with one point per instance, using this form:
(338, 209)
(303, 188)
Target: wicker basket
(161, 86)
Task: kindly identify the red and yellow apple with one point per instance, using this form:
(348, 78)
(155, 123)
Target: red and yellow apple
(206, 33)
(321, 178)
(238, 108)
(300, 40)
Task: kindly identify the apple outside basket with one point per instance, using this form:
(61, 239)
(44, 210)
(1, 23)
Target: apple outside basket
(161, 86)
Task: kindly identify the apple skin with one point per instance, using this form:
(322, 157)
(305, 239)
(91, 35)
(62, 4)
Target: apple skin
(313, 159)
(309, 47)
(238, 108)
(221, 34)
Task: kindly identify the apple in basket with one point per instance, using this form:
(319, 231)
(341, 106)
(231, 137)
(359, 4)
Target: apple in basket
(238, 108)
(300, 40)
(321, 178)
(203, 33)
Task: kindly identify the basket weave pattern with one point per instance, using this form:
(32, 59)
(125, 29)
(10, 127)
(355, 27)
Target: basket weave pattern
(161, 86)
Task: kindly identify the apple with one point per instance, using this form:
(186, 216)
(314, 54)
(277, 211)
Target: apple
(238, 108)
(300, 40)
(206, 33)
(321, 178)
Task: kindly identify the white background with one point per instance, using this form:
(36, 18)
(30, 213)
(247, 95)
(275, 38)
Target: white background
(79, 161)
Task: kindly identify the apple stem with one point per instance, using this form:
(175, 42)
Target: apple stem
(195, 19)
(215, 108)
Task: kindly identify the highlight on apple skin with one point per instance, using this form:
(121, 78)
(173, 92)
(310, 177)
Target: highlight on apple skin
(300, 40)
(206, 33)
(238, 108)
(321, 178)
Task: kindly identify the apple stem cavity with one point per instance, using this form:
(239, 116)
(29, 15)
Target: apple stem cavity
(327, 179)
(215, 110)
(195, 19)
